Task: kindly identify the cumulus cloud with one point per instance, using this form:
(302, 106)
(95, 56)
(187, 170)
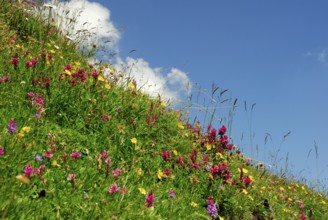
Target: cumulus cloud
(87, 21)
(173, 84)
(78, 17)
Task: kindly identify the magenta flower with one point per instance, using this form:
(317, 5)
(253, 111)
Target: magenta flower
(247, 180)
(28, 171)
(39, 100)
(222, 130)
(166, 155)
(13, 38)
(302, 216)
(14, 61)
(113, 188)
(75, 155)
(12, 126)
(71, 177)
(2, 151)
(150, 199)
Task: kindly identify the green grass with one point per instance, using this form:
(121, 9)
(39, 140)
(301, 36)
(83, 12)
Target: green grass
(150, 147)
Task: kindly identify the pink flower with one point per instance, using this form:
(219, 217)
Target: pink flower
(48, 154)
(13, 38)
(75, 155)
(2, 151)
(71, 177)
(30, 95)
(116, 172)
(302, 216)
(28, 171)
(150, 199)
(40, 169)
(113, 188)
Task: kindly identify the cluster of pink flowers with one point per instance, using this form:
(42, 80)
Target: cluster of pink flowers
(2, 151)
(114, 188)
(29, 171)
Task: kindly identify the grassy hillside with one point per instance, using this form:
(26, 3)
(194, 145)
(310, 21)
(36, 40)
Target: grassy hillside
(76, 143)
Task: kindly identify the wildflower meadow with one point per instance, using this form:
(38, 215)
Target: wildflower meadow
(81, 141)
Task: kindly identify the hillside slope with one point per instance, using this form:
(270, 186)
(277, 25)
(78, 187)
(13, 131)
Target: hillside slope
(80, 141)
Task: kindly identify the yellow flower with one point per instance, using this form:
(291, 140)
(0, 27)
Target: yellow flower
(160, 174)
(107, 86)
(250, 197)
(55, 164)
(323, 202)
(134, 140)
(139, 171)
(175, 152)
(52, 51)
(219, 155)
(193, 204)
(18, 46)
(131, 85)
(68, 72)
(163, 104)
(23, 179)
(245, 191)
(26, 129)
(209, 146)
(180, 125)
(142, 191)
(221, 218)
(100, 78)
(20, 135)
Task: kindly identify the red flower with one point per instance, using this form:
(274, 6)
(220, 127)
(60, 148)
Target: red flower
(166, 155)
(222, 130)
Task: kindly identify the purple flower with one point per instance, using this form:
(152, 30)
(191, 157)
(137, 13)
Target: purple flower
(38, 158)
(12, 126)
(28, 171)
(211, 207)
(2, 151)
(75, 155)
(171, 193)
(150, 199)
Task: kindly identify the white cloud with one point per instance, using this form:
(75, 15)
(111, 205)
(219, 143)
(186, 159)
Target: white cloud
(172, 85)
(94, 17)
(83, 19)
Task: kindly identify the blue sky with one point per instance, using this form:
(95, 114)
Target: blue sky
(272, 53)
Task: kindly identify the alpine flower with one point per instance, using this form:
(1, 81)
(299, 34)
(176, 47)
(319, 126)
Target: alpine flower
(113, 188)
(28, 172)
(12, 126)
(75, 155)
(2, 152)
(150, 199)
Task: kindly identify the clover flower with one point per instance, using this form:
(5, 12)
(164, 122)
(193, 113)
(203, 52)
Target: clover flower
(171, 193)
(113, 188)
(211, 207)
(2, 151)
(75, 155)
